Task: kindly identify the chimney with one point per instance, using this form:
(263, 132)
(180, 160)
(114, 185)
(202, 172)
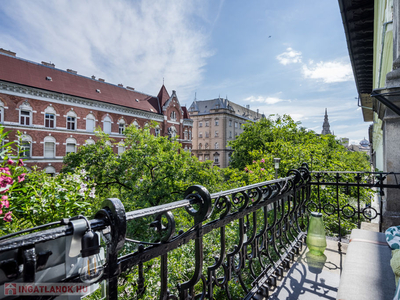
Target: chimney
(101, 79)
(93, 77)
(7, 52)
(120, 84)
(130, 88)
(72, 71)
(48, 64)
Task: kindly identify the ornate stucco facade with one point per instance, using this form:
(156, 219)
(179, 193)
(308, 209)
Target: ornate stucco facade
(215, 123)
(57, 111)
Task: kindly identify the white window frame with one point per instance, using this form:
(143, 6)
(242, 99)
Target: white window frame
(71, 120)
(206, 146)
(25, 107)
(50, 170)
(1, 111)
(200, 145)
(173, 116)
(107, 124)
(207, 124)
(200, 124)
(89, 119)
(90, 142)
(47, 141)
(216, 146)
(70, 142)
(216, 122)
(200, 134)
(121, 126)
(157, 131)
(26, 139)
(216, 158)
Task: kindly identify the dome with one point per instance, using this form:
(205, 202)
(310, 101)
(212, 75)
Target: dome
(364, 143)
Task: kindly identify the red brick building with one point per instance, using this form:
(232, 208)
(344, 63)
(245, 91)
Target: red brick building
(57, 111)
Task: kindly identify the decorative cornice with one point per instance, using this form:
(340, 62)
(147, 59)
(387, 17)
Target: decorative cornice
(38, 94)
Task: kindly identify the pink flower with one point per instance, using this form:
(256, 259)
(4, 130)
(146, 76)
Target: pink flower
(10, 161)
(254, 162)
(263, 160)
(5, 203)
(251, 172)
(5, 197)
(262, 169)
(246, 169)
(21, 177)
(7, 217)
(20, 163)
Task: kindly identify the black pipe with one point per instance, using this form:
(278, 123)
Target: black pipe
(386, 102)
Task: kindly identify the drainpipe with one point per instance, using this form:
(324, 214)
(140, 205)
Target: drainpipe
(384, 28)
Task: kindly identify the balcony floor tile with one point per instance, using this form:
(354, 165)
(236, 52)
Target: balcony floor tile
(307, 280)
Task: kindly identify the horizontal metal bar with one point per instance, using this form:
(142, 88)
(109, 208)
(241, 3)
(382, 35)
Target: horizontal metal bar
(140, 213)
(357, 184)
(352, 172)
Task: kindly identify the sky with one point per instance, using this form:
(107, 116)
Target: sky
(281, 57)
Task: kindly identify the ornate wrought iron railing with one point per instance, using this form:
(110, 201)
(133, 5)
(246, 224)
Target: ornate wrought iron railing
(255, 231)
(232, 244)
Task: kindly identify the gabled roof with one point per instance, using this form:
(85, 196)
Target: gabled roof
(163, 96)
(185, 112)
(16, 70)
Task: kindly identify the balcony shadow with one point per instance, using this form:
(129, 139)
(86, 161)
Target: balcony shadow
(311, 277)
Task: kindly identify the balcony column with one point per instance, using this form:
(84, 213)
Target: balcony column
(391, 128)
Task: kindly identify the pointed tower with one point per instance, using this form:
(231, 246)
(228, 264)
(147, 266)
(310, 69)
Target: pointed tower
(326, 126)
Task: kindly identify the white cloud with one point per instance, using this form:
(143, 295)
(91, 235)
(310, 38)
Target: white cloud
(267, 100)
(289, 57)
(137, 43)
(328, 72)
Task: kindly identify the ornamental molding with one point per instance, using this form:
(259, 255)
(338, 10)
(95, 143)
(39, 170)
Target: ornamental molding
(38, 94)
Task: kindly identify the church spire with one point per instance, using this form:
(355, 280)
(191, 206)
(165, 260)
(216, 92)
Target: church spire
(326, 126)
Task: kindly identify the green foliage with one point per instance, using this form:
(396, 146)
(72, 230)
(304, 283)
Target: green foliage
(286, 139)
(151, 171)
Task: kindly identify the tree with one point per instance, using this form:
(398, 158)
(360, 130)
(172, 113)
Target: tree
(260, 142)
(151, 171)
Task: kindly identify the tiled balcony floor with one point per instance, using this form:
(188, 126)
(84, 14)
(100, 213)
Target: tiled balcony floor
(307, 280)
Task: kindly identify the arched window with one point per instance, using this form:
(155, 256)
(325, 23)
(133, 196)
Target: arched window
(157, 130)
(49, 147)
(173, 116)
(90, 141)
(50, 117)
(71, 120)
(1, 111)
(90, 123)
(206, 146)
(50, 171)
(25, 146)
(71, 146)
(136, 124)
(200, 146)
(121, 148)
(216, 157)
(216, 146)
(121, 126)
(107, 124)
(25, 114)
(216, 122)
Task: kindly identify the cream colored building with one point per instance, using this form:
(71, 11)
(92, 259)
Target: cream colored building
(215, 123)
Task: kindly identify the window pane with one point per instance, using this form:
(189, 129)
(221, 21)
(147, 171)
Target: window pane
(48, 149)
(71, 123)
(90, 125)
(107, 127)
(25, 149)
(71, 148)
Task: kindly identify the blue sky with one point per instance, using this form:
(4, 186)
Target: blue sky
(277, 56)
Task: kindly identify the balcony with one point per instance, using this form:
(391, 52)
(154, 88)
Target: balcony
(245, 243)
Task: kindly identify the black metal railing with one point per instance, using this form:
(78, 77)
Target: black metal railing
(255, 231)
(234, 243)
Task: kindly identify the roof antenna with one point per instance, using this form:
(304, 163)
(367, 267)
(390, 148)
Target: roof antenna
(163, 81)
(195, 96)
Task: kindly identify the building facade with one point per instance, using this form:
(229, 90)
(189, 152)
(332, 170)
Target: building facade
(57, 111)
(372, 30)
(215, 123)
